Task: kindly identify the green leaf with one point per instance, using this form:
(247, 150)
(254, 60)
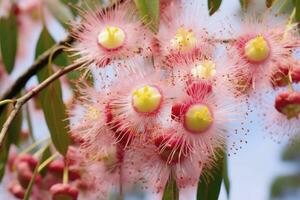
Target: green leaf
(225, 176)
(60, 11)
(149, 11)
(269, 3)
(297, 6)
(213, 6)
(71, 4)
(210, 189)
(171, 191)
(13, 137)
(8, 41)
(244, 4)
(51, 100)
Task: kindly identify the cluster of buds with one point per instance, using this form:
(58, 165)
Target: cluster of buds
(48, 184)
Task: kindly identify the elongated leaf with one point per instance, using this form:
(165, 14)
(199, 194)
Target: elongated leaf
(244, 4)
(225, 176)
(297, 6)
(51, 100)
(60, 11)
(8, 41)
(210, 189)
(71, 4)
(149, 11)
(171, 191)
(12, 137)
(213, 6)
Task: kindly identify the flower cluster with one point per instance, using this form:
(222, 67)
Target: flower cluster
(166, 104)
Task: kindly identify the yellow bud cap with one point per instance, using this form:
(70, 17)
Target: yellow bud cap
(146, 99)
(198, 118)
(92, 113)
(257, 49)
(184, 40)
(111, 37)
(205, 69)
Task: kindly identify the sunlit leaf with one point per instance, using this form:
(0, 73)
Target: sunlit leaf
(297, 6)
(149, 11)
(210, 189)
(171, 190)
(213, 6)
(8, 41)
(51, 100)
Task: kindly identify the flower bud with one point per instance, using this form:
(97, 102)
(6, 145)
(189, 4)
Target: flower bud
(16, 190)
(170, 149)
(288, 103)
(63, 191)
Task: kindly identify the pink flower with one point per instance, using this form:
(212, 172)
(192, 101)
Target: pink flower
(180, 33)
(259, 49)
(139, 99)
(112, 34)
(150, 166)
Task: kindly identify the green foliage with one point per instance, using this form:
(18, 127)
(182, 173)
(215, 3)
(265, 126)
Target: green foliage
(269, 3)
(12, 137)
(60, 11)
(149, 11)
(283, 184)
(8, 41)
(171, 190)
(213, 6)
(210, 189)
(51, 100)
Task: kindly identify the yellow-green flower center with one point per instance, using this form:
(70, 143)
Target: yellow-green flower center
(146, 99)
(111, 37)
(205, 69)
(184, 40)
(198, 118)
(291, 110)
(257, 49)
(92, 113)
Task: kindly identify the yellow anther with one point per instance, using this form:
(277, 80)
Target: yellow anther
(92, 113)
(111, 37)
(205, 69)
(184, 40)
(146, 99)
(257, 49)
(198, 118)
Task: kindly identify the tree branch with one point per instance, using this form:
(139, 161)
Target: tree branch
(22, 100)
(39, 63)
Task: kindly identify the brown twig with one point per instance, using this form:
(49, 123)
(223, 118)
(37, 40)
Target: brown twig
(22, 100)
(39, 63)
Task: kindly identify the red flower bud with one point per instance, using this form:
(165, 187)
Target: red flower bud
(24, 174)
(196, 88)
(16, 190)
(177, 111)
(27, 158)
(63, 191)
(170, 148)
(288, 103)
